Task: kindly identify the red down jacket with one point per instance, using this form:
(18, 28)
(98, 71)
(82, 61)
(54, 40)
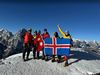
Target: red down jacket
(28, 38)
(39, 41)
(45, 35)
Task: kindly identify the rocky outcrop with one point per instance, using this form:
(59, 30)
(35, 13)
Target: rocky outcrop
(13, 43)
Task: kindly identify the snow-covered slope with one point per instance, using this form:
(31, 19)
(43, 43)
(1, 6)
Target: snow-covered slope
(89, 64)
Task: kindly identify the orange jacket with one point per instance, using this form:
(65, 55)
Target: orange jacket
(28, 38)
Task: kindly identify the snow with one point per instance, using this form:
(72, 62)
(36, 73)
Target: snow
(14, 65)
(1, 29)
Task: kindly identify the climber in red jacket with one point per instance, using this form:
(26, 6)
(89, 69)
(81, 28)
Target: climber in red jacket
(27, 43)
(39, 42)
(45, 35)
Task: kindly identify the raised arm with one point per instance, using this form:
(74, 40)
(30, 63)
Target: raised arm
(61, 31)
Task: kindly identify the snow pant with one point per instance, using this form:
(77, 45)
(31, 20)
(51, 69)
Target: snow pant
(38, 53)
(34, 52)
(27, 49)
(43, 55)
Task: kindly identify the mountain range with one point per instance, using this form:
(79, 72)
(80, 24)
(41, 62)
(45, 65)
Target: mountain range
(13, 43)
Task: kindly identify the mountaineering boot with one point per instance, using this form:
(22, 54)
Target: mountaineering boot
(66, 64)
(46, 58)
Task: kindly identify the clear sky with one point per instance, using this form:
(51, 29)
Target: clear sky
(82, 19)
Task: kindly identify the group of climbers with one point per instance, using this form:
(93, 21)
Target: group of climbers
(36, 44)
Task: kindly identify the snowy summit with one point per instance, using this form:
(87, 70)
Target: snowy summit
(81, 63)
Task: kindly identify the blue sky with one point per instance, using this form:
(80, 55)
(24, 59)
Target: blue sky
(82, 19)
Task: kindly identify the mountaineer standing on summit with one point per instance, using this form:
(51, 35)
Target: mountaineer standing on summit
(40, 43)
(27, 43)
(66, 35)
(45, 35)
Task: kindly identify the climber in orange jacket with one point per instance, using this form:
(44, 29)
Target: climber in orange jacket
(27, 43)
